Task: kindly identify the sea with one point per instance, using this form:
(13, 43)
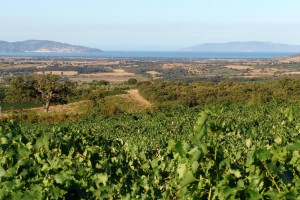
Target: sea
(158, 54)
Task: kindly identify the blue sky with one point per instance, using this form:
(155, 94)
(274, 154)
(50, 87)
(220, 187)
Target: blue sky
(150, 24)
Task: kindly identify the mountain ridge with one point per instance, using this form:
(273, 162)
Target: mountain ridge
(248, 46)
(43, 46)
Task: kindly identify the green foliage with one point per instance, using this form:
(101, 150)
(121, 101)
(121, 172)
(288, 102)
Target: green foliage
(101, 82)
(167, 94)
(21, 90)
(19, 105)
(232, 152)
(85, 91)
(132, 81)
(32, 117)
(116, 92)
(43, 88)
(97, 95)
(2, 93)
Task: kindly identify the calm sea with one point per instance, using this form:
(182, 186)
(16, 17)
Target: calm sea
(155, 54)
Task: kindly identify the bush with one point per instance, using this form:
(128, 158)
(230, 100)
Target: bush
(132, 81)
(110, 109)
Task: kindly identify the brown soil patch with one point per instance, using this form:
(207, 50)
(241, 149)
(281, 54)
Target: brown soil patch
(109, 74)
(295, 59)
(18, 66)
(264, 72)
(119, 70)
(292, 73)
(63, 73)
(238, 67)
(190, 68)
(111, 79)
(116, 72)
(75, 107)
(40, 67)
(173, 65)
(153, 72)
(117, 76)
(137, 97)
(97, 63)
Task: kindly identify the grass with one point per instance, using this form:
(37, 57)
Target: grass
(116, 92)
(125, 104)
(19, 105)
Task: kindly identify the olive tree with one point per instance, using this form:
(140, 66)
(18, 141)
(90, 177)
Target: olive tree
(47, 89)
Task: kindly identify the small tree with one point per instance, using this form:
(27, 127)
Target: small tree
(51, 89)
(132, 81)
(47, 88)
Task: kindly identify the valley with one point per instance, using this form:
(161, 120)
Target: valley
(116, 128)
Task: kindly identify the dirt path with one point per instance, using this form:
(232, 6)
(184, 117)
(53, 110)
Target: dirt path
(78, 107)
(136, 96)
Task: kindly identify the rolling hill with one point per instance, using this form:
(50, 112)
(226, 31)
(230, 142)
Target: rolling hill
(289, 59)
(244, 47)
(43, 46)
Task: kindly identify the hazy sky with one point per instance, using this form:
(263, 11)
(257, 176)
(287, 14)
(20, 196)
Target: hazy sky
(150, 24)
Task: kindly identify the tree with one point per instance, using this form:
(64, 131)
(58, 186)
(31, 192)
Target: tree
(132, 81)
(51, 89)
(21, 90)
(47, 88)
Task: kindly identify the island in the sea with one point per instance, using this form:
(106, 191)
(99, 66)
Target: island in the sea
(252, 46)
(44, 46)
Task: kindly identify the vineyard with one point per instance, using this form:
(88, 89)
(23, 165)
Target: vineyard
(221, 152)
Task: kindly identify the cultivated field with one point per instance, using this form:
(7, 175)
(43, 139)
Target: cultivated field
(120, 70)
(62, 73)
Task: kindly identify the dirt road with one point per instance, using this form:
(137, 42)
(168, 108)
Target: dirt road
(134, 94)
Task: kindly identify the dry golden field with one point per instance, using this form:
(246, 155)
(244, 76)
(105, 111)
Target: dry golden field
(63, 73)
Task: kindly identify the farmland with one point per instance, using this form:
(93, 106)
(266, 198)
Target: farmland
(119, 70)
(152, 129)
(230, 152)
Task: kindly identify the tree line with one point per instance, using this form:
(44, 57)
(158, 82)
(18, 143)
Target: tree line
(207, 93)
(80, 70)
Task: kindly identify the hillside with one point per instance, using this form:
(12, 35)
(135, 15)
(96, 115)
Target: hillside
(289, 59)
(244, 47)
(44, 46)
(155, 140)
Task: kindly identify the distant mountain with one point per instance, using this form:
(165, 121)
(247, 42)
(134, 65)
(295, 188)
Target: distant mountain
(244, 47)
(43, 46)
